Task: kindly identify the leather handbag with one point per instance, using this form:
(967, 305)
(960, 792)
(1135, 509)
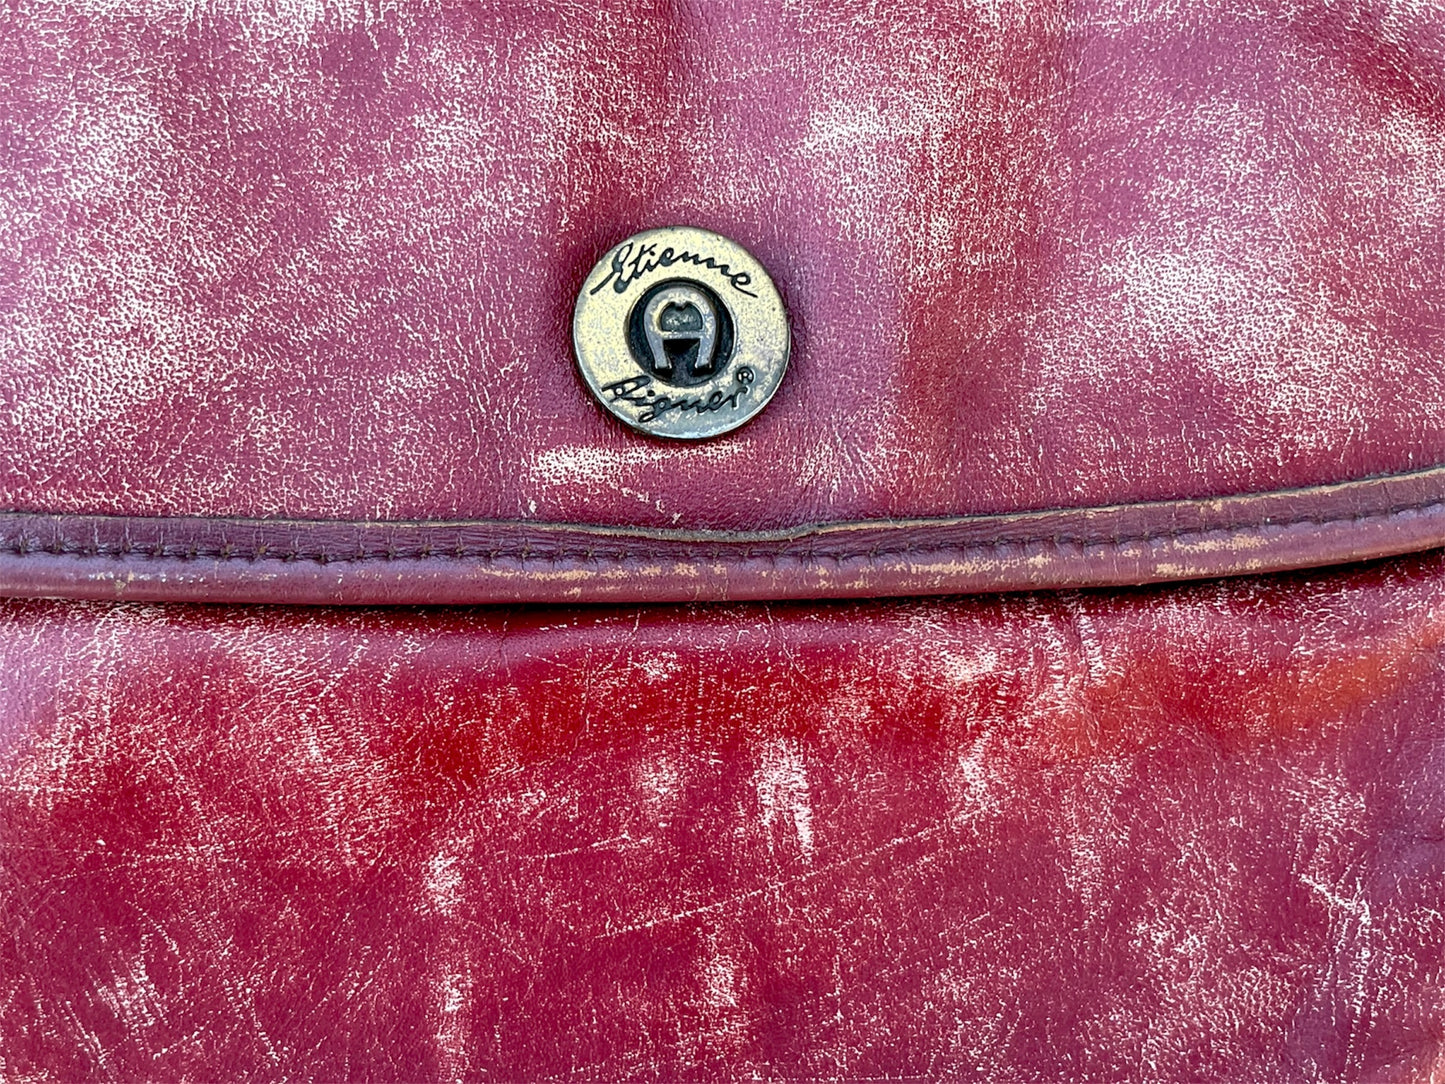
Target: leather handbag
(1044, 683)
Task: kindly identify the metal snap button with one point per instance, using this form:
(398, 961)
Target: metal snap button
(681, 333)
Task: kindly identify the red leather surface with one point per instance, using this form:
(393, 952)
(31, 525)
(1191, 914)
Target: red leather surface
(315, 260)
(1194, 833)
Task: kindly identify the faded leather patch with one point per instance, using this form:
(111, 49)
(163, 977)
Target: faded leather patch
(316, 260)
(1182, 834)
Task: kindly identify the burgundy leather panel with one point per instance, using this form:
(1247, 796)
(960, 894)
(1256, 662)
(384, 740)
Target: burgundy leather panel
(487, 562)
(317, 261)
(1195, 833)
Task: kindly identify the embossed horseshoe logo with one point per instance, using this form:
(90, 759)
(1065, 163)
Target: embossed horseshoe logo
(681, 325)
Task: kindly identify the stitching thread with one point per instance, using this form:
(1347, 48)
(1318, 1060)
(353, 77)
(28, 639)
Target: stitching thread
(22, 546)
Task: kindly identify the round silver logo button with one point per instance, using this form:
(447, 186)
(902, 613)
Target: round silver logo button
(681, 333)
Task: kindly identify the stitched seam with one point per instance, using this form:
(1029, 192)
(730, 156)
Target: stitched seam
(227, 551)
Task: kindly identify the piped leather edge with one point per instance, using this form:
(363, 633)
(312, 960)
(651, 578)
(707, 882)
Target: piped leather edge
(185, 559)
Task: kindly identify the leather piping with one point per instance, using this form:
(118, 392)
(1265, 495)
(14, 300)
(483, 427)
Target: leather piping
(491, 561)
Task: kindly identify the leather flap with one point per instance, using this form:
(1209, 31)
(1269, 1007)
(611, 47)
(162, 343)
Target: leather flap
(1084, 293)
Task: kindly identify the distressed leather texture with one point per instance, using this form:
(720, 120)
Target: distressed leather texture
(311, 263)
(1083, 295)
(315, 264)
(1190, 833)
(318, 261)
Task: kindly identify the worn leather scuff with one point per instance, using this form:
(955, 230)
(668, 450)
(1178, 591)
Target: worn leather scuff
(1084, 293)
(1171, 833)
(318, 262)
